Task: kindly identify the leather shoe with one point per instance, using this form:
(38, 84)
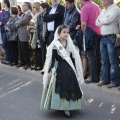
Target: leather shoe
(26, 67)
(20, 65)
(100, 83)
(6, 62)
(42, 72)
(111, 85)
(13, 64)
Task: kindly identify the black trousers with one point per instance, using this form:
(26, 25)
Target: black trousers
(43, 44)
(49, 37)
(24, 52)
(38, 57)
(13, 49)
(94, 63)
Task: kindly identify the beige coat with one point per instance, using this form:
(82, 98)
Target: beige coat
(33, 40)
(119, 25)
(22, 24)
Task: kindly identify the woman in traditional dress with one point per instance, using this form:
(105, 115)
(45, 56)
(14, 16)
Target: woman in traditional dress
(63, 75)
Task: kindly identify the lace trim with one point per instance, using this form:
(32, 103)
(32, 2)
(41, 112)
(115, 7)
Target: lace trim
(69, 96)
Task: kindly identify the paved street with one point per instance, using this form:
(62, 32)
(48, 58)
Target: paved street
(20, 94)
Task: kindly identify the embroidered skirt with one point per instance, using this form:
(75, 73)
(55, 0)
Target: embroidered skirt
(52, 101)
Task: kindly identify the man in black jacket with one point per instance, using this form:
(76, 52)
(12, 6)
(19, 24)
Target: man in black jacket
(53, 17)
(71, 17)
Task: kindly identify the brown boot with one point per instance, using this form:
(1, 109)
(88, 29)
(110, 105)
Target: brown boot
(3, 57)
(111, 85)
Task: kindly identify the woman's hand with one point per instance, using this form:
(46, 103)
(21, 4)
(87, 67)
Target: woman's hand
(28, 28)
(77, 27)
(7, 29)
(118, 35)
(32, 22)
(38, 41)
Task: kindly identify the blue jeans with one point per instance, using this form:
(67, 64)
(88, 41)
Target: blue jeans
(5, 45)
(110, 61)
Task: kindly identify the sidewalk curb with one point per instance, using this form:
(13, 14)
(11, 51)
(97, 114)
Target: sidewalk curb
(101, 89)
(28, 71)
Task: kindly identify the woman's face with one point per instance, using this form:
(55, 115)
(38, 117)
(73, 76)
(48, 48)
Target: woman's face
(64, 34)
(19, 11)
(3, 4)
(34, 9)
(42, 10)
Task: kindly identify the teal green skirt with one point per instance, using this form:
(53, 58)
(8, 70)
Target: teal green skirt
(52, 101)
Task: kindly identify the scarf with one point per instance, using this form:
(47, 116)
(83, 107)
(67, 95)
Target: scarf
(72, 49)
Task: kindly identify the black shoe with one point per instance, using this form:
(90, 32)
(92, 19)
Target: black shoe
(13, 64)
(33, 68)
(20, 65)
(26, 67)
(6, 62)
(3, 62)
(42, 72)
(85, 77)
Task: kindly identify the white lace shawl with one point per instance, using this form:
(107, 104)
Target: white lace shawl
(75, 53)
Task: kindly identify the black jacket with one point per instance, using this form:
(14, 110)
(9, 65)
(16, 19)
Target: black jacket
(72, 19)
(57, 17)
(39, 27)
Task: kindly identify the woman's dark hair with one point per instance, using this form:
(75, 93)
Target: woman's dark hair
(70, 1)
(44, 5)
(7, 2)
(14, 10)
(19, 8)
(61, 27)
(0, 6)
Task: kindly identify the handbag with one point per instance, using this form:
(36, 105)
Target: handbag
(117, 42)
